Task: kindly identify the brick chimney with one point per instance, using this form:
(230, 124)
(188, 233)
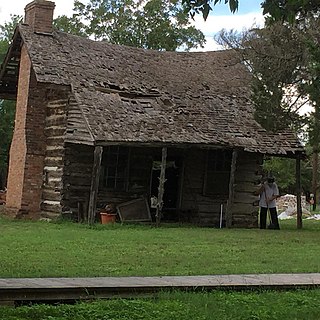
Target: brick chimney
(27, 152)
(39, 15)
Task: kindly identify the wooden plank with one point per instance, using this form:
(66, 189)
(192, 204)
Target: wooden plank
(243, 207)
(162, 181)
(246, 186)
(245, 197)
(40, 289)
(134, 211)
(231, 189)
(94, 184)
(298, 186)
(246, 176)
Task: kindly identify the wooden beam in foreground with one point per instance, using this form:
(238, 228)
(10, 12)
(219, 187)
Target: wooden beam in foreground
(94, 184)
(231, 189)
(298, 187)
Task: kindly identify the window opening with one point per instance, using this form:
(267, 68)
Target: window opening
(217, 172)
(115, 168)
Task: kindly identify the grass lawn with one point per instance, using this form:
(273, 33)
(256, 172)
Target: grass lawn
(42, 249)
(301, 304)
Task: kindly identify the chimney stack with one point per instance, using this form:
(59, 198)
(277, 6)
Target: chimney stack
(39, 15)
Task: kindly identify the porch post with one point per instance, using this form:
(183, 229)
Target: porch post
(162, 180)
(231, 189)
(94, 184)
(298, 187)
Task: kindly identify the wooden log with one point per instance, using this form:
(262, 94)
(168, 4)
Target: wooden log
(251, 166)
(231, 189)
(243, 207)
(51, 195)
(245, 197)
(94, 184)
(298, 186)
(209, 208)
(49, 206)
(162, 181)
(248, 187)
(248, 175)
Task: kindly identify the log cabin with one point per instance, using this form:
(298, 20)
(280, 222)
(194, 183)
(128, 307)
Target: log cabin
(98, 124)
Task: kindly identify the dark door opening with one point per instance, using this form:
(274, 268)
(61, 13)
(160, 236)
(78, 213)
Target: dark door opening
(171, 187)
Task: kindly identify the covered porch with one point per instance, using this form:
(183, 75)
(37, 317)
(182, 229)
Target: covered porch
(204, 185)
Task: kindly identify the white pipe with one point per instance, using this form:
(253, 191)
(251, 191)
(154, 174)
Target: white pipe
(221, 211)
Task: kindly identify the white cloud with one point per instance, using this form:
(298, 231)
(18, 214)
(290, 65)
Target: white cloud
(238, 22)
(215, 23)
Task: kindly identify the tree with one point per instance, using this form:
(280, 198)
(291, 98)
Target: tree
(70, 25)
(284, 171)
(7, 108)
(275, 10)
(274, 57)
(154, 24)
(7, 112)
(204, 7)
(285, 57)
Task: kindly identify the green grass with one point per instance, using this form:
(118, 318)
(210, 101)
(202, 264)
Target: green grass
(41, 249)
(301, 304)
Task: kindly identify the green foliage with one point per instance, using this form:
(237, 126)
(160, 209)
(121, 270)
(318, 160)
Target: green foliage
(70, 25)
(154, 24)
(7, 29)
(203, 6)
(275, 57)
(284, 171)
(291, 11)
(7, 108)
(286, 56)
(73, 250)
(6, 33)
(7, 112)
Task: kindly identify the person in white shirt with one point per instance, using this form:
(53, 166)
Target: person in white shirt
(268, 192)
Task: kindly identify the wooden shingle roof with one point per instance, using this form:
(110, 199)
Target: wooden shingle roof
(132, 95)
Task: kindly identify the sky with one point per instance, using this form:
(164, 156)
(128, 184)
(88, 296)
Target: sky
(248, 15)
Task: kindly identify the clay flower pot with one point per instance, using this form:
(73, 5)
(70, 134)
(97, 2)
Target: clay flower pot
(107, 217)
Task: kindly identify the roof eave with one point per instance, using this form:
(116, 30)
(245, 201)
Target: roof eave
(9, 70)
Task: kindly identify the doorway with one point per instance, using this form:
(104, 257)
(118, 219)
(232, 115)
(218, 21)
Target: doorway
(171, 187)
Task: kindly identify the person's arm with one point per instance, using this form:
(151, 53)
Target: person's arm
(276, 192)
(260, 190)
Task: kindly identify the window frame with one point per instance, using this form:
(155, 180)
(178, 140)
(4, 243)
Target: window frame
(211, 171)
(117, 151)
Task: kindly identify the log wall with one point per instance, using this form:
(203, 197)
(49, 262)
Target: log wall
(248, 174)
(56, 119)
(77, 178)
(205, 209)
(195, 205)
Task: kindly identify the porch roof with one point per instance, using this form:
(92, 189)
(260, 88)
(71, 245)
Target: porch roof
(132, 95)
